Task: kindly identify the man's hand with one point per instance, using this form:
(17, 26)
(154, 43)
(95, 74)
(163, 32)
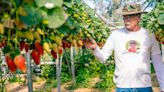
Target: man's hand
(90, 43)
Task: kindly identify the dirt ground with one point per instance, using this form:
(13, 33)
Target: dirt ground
(17, 87)
(95, 80)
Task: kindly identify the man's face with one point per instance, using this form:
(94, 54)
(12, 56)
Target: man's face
(131, 21)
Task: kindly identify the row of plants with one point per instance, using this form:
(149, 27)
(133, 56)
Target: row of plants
(45, 27)
(85, 70)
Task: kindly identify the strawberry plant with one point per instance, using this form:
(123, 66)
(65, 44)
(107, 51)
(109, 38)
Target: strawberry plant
(154, 21)
(47, 27)
(106, 78)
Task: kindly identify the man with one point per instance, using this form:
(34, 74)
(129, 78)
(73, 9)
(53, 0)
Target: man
(133, 48)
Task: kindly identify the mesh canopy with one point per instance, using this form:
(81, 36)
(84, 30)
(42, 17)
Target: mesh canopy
(106, 8)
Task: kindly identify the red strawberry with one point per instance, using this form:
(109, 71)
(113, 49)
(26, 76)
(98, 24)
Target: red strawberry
(64, 44)
(26, 47)
(35, 56)
(10, 64)
(19, 61)
(22, 45)
(68, 45)
(60, 50)
(39, 47)
(1, 45)
(54, 54)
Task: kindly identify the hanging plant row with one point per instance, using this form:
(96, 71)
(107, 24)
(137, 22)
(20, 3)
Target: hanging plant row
(44, 26)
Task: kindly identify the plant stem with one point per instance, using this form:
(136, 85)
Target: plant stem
(13, 2)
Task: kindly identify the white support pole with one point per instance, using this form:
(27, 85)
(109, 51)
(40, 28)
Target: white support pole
(29, 73)
(72, 66)
(58, 74)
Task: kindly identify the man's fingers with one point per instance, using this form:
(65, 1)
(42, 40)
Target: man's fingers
(91, 41)
(87, 40)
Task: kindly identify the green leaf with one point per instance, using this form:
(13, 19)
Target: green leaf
(161, 19)
(18, 2)
(74, 31)
(40, 3)
(64, 29)
(83, 25)
(54, 3)
(77, 1)
(56, 18)
(14, 53)
(156, 12)
(71, 23)
(69, 1)
(6, 49)
(68, 4)
(34, 16)
(58, 3)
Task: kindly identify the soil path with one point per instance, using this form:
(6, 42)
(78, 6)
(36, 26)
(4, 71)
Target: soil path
(17, 87)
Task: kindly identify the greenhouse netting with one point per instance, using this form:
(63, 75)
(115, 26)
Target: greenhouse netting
(105, 8)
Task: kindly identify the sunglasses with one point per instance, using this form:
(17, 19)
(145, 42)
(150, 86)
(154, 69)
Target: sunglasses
(128, 17)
